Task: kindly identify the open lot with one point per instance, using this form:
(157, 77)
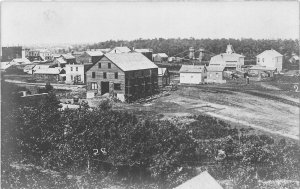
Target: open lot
(268, 110)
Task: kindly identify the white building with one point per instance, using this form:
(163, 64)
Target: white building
(75, 73)
(229, 60)
(190, 74)
(120, 50)
(270, 58)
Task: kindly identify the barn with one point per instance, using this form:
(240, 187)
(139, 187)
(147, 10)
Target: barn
(127, 76)
(190, 74)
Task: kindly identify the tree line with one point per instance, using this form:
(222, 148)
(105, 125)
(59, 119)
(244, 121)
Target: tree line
(174, 46)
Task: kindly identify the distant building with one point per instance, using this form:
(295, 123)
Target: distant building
(10, 53)
(60, 62)
(39, 55)
(294, 59)
(146, 52)
(49, 74)
(89, 57)
(203, 181)
(120, 50)
(270, 58)
(75, 73)
(160, 57)
(163, 77)
(70, 59)
(18, 61)
(29, 68)
(229, 60)
(190, 74)
(215, 74)
(127, 76)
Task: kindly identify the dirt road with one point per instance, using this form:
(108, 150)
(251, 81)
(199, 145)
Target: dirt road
(249, 110)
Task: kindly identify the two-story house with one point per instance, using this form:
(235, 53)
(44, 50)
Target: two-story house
(270, 58)
(127, 76)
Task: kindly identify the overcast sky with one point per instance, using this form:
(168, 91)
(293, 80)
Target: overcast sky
(72, 22)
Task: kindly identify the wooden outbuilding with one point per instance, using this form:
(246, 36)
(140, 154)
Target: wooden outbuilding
(163, 77)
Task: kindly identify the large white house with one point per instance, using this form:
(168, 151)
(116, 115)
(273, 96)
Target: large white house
(190, 74)
(270, 58)
(229, 60)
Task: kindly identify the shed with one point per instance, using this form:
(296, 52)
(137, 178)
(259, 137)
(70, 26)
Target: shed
(215, 74)
(270, 58)
(48, 75)
(190, 74)
(160, 57)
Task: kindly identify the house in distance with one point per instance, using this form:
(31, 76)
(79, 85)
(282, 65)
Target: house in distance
(160, 58)
(190, 74)
(127, 76)
(270, 58)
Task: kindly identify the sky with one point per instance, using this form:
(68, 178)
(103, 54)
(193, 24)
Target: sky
(26, 23)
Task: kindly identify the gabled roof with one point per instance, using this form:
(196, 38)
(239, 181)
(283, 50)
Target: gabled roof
(163, 55)
(215, 68)
(29, 67)
(104, 50)
(130, 61)
(94, 53)
(161, 71)
(61, 60)
(120, 50)
(21, 61)
(143, 50)
(271, 53)
(203, 181)
(226, 57)
(52, 71)
(191, 69)
(68, 56)
(153, 55)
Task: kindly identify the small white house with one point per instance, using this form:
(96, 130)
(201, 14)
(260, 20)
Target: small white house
(270, 58)
(190, 74)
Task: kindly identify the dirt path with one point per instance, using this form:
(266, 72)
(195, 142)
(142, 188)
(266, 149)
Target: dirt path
(269, 115)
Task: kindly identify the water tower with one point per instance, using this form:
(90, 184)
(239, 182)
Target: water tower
(201, 51)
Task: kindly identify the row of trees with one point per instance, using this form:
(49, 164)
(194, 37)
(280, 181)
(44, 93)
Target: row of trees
(249, 47)
(114, 144)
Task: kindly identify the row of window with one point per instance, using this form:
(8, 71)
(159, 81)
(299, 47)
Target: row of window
(117, 86)
(108, 65)
(75, 68)
(105, 75)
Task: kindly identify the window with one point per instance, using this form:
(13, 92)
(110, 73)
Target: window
(116, 75)
(90, 59)
(76, 69)
(71, 77)
(104, 75)
(263, 60)
(94, 85)
(109, 65)
(93, 75)
(71, 69)
(117, 86)
(257, 59)
(99, 65)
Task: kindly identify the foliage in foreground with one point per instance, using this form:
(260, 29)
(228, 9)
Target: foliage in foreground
(103, 143)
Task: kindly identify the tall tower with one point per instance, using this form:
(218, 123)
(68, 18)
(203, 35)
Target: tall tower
(192, 53)
(229, 49)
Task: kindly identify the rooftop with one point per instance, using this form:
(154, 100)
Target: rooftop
(191, 69)
(94, 53)
(271, 52)
(143, 50)
(161, 71)
(52, 71)
(163, 55)
(215, 68)
(130, 61)
(120, 50)
(68, 56)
